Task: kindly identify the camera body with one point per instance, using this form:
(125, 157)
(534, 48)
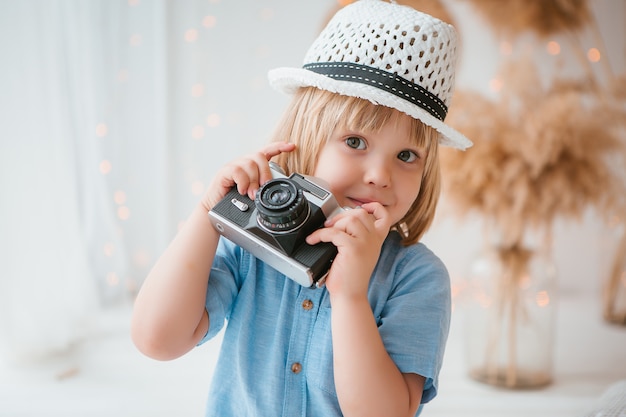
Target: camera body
(273, 227)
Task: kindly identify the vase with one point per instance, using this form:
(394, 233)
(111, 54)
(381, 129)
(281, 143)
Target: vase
(510, 317)
(614, 301)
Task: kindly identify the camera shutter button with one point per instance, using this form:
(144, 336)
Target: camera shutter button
(307, 305)
(240, 204)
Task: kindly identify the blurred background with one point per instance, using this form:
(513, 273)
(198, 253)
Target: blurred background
(114, 115)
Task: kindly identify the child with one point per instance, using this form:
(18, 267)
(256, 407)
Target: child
(367, 118)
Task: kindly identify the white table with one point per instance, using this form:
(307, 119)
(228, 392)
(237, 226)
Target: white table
(590, 355)
(106, 376)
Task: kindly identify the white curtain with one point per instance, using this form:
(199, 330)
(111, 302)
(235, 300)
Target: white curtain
(114, 116)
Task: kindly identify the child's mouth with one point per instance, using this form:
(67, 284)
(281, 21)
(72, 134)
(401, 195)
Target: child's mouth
(355, 202)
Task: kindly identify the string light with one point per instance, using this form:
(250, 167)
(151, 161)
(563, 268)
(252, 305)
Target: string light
(105, 167)
(108, 249)
(495, 85)
(457, 288)
(123, 213)
(191, 35)
(119, 197)
(197, 90)
(553, 48)
(101, 130)
(209, 21)
(197, 132)
(542, 298)
(213, 120)
(593, 55)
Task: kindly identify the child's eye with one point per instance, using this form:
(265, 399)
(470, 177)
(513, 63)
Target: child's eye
(355, 142)
(407, 156)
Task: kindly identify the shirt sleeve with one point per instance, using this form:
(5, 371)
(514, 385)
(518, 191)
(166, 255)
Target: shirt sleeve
(223, 286)
(415, 320)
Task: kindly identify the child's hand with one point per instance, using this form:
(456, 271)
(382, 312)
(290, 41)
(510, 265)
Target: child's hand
(247, 173)
(358, 234)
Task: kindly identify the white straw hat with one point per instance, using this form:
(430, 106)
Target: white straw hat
(386, 53)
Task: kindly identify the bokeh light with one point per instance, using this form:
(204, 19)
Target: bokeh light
(123, 213)
(108, 249)
(101, 130)
(105, 167)
(191, 35)
(593, 55)
(197, 90)
(197, 132)
(495, 85)
(213, 120)
(119, 197)
(553, 48)
(209, 21)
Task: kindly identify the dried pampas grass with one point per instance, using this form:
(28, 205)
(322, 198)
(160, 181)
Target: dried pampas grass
(544, 17)
(538, 154)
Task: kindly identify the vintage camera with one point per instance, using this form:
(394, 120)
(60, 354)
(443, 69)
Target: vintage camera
(274, 226)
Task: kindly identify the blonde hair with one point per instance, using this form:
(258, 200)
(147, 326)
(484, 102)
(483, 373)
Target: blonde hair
(314, 114)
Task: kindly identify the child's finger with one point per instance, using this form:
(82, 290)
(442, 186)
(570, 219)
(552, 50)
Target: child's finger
(276, 148)
(380, 213)
(268, 153)
(327, 234)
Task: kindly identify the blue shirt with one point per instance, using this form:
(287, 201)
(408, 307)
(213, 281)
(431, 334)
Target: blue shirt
(276, 357)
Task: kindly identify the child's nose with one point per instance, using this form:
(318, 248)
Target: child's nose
(378, 174)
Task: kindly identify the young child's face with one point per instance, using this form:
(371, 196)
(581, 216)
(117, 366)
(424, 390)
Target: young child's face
(384, 166)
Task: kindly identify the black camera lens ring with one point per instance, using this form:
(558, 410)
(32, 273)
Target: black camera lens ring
(277, 194)
(281, 206)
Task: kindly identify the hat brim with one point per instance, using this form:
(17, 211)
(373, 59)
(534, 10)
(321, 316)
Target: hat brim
(288, 80)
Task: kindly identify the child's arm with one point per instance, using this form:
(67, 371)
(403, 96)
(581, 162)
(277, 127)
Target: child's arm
(367, 380)
(169, 316)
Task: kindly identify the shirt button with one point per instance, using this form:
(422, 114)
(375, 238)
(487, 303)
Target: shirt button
(296, 367)
(307, 304)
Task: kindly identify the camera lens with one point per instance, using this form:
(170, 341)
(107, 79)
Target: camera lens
(281, 206)
(279, 196)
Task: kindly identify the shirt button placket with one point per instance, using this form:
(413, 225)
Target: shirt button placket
(296, 367)
(304, 319)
